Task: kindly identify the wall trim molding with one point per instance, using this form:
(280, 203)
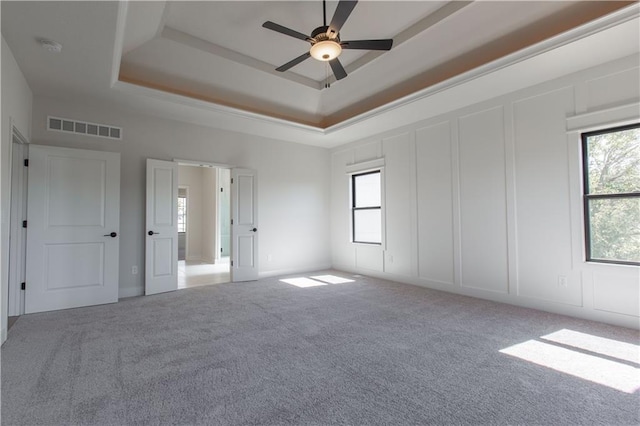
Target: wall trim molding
(609, 117)
(378, 163)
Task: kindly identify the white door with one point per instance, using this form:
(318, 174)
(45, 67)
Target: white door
(161, 254)
(73, 220)
(244, 226)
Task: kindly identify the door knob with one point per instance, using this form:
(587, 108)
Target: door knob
(253, 230)
(151, 232)
(112, 235)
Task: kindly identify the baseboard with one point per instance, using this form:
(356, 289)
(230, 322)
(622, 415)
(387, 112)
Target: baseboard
(124, 292)
(194, 258)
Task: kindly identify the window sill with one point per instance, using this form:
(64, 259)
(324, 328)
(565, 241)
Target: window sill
(596, 262)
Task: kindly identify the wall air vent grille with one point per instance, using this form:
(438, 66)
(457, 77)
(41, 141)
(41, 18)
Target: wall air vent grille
(58, 124)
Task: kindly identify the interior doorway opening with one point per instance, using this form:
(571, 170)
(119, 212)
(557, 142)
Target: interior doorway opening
(204, 230)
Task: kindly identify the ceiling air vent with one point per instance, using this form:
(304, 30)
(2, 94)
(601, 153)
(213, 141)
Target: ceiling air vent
(80, 127)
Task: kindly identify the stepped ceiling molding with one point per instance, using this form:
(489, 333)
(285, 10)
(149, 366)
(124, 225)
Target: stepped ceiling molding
(212, 62)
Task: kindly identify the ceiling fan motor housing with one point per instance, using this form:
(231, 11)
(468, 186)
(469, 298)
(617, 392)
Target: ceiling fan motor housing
(322, 33)
(325, 48)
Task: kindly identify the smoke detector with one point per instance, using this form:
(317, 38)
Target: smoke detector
(50, 45)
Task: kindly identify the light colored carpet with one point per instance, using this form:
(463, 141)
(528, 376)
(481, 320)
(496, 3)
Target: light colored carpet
(268, 352)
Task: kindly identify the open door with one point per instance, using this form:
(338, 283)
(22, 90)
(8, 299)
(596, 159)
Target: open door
(161, 248)
(73, 219)
(244, 226)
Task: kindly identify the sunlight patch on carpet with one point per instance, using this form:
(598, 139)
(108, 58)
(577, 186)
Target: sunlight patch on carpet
(302, 282)
(587, 366)
(332, 279)
(600, 345)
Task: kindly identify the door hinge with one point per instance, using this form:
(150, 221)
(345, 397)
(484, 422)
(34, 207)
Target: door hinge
(232, 263)
(231, 180)
(24, 223)
(221, 189)
(232, 221)
(26, 162)
(220, 249)
(23, 286)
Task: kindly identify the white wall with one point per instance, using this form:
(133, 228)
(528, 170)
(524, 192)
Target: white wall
(486, 200)
(293, 187)
(16, 110)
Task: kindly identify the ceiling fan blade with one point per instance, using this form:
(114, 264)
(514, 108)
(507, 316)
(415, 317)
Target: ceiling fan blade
(294, 62)
(284, 30)
(368, 44)
(338, 69)
(344, 9)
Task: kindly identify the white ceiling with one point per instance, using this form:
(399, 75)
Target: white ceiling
(217, 54)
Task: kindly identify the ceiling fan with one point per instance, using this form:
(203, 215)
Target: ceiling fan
(325, 41)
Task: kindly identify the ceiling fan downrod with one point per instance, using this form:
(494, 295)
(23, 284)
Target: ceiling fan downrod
(324, 12)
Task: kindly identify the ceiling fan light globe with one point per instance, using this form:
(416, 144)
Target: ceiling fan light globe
(325, 50)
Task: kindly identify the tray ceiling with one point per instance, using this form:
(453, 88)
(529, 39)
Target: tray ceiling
(219, 52)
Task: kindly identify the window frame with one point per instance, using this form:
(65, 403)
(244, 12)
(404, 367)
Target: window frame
(354, 208)
(586, 196)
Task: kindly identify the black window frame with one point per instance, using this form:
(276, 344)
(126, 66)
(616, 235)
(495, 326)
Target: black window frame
(354, 208)
(586, 197)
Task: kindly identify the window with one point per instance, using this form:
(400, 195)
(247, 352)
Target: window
(366, 208)
(611, 168)
(182, 213)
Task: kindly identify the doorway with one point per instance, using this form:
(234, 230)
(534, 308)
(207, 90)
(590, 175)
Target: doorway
(204, 212)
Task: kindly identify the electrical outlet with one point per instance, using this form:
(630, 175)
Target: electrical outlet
(390, 258)
(562, 281)
(134, 270)
(269, 258)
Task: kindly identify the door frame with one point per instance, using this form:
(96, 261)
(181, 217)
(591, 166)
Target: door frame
(219, 215)
(17, 264)
(186, 230)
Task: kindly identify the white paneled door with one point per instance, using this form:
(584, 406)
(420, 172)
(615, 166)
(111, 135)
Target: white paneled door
(244, 226)
(161, 254)
(73, 222)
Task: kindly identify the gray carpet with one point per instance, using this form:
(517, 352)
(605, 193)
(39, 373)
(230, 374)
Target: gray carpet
(267, 352)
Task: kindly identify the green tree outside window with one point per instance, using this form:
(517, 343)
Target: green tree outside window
(612, 194)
